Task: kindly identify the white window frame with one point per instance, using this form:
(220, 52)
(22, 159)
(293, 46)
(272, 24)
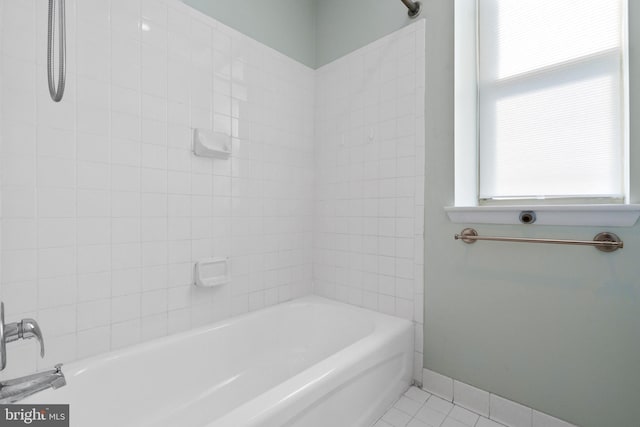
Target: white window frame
(467, 207)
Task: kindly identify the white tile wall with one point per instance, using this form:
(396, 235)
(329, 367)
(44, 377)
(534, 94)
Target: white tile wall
(368, 244)
(104, 209)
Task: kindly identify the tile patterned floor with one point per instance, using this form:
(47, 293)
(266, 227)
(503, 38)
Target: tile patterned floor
(417, 408)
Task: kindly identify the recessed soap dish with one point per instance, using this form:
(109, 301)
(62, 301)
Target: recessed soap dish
(208, 143)
(211, 272)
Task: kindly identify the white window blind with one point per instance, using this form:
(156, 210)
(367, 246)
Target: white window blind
(551, 99)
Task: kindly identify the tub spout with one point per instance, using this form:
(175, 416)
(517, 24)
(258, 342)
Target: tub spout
(19, 388)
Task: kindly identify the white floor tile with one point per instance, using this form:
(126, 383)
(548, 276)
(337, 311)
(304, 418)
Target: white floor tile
(396, 418)
(417, 408)
(452, 422)
(466, 417)
(408, 406)
(430, 416)
(485, 422)
(417, 423)
(439, 405)
(414, 393)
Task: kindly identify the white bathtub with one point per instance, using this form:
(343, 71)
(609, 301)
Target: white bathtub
(309, 362)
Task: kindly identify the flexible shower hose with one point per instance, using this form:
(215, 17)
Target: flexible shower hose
(56, 92)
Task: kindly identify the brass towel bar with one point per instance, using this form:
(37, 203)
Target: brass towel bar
(605, 242)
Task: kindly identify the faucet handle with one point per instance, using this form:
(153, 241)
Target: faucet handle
(29, 328)
(24, 329)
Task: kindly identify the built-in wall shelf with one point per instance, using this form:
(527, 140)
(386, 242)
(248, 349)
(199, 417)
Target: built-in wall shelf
(208, 143)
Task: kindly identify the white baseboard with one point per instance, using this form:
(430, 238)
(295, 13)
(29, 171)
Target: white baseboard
(489, 405)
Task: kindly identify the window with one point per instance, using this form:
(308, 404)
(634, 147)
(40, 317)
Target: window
(541, 102)
(550, 99)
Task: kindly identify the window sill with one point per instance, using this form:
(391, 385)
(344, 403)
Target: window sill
(576, 215)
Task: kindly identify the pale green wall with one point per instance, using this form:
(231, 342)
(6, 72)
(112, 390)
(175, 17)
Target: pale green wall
(553, 327)
(346, 25)
(285, 25)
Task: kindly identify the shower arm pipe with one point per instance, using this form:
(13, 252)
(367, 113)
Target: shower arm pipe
(56, 91)
(413, 6)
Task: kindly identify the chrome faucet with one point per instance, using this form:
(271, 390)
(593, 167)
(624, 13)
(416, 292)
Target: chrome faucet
(24, 329)
(19, 388)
